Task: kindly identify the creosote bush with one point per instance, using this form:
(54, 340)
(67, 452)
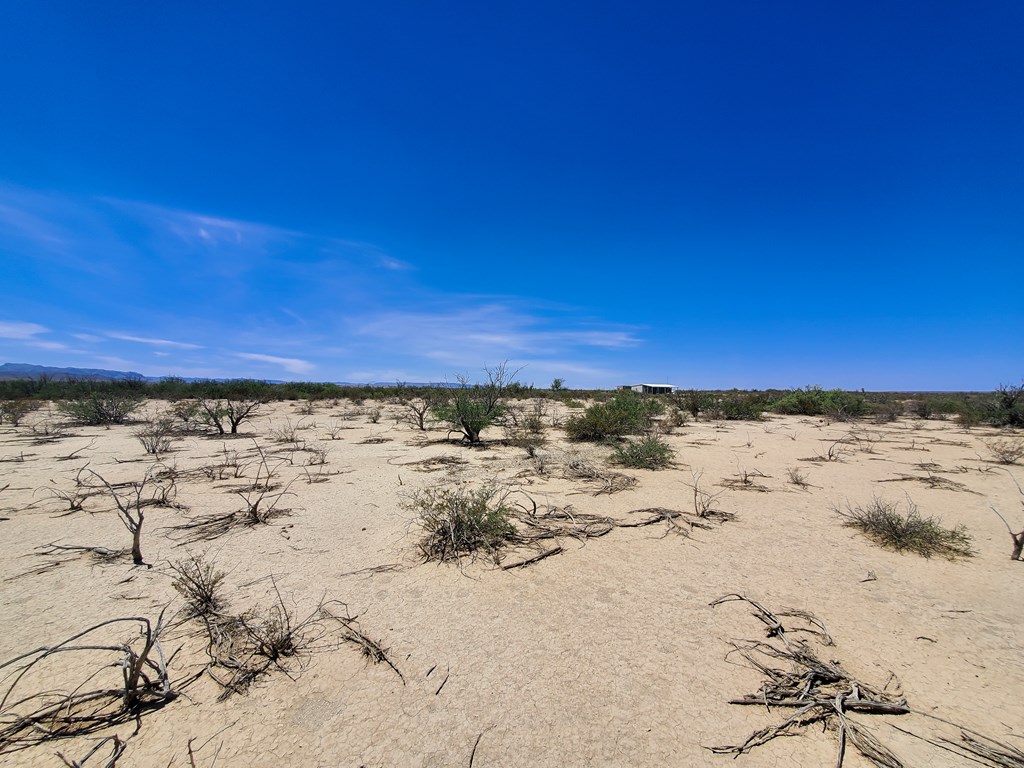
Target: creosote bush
(647, 453)
(625, 414)
(97, 409)
(884, 523)
(461, 521)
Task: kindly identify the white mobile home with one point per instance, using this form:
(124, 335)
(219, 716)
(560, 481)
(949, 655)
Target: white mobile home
(650, 389)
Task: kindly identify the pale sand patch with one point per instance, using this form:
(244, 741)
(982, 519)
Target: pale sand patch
(606, 654)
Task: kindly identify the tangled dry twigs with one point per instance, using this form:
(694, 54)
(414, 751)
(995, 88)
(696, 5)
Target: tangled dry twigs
(98, 701)
(820, 691)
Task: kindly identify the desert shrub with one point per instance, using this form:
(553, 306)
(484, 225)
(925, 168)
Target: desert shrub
(884, 523)
(835, 404)
(1006, 409)
(13, 411)
(187, 414)
(797, 477)
(528, 434)
(158, 436)
(418, 409)
(98, 409)
(198, 581)
(736, 406)
(573, 403)
(944, 406)
(627, 413)
(471, 408)
(920, 409)
(887, 411)
(285, 433)
(1006, 451)
(969, 414)
(460, 521)
(693, 401)
(647, 453)
(676, 418)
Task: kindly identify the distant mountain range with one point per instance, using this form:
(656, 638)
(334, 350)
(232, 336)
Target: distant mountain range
(29, 371)
(10, 371)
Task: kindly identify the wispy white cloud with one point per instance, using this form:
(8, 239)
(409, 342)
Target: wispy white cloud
(30, 226)
(88, 337)
(52, 346)
(23, 331)
(497, 328)
(154, 342)
(389, 262)
(290, 364)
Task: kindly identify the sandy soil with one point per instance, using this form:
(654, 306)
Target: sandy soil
(606, 654)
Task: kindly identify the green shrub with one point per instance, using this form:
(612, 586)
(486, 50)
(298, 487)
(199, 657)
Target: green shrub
(693, 401)
(99, 409)
(646, 453)
(471, 408)
(883, 523)
(13, 411)
(1006, 409)
(627, 413)
(459, 521)
(528, 434)
(835, 404)
(737, 406)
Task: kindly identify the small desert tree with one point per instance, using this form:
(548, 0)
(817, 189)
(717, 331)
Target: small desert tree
(418, 408)
(233, 412)
(471, 408)
(132, 498)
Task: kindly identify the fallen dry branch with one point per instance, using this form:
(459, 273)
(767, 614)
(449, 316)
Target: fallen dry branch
(104, 697)
(370, 649)
(670, 517)
(772, 623)
(601, 481)
(1018, 538)
(936, 482)
(972, 746)
(117, 749)
(433, 463)
(820, 691)
(557, 550)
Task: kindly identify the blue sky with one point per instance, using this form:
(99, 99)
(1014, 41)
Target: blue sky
(711, 194)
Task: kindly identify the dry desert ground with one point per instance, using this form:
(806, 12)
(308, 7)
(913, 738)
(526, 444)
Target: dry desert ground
(607, 651)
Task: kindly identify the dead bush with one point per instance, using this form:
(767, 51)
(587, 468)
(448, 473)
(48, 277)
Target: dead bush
(158, 436)
(1009, 451)
(199, 582)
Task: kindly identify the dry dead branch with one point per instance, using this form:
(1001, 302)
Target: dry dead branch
(121, 680)
(1018, 538)
(820, 691)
